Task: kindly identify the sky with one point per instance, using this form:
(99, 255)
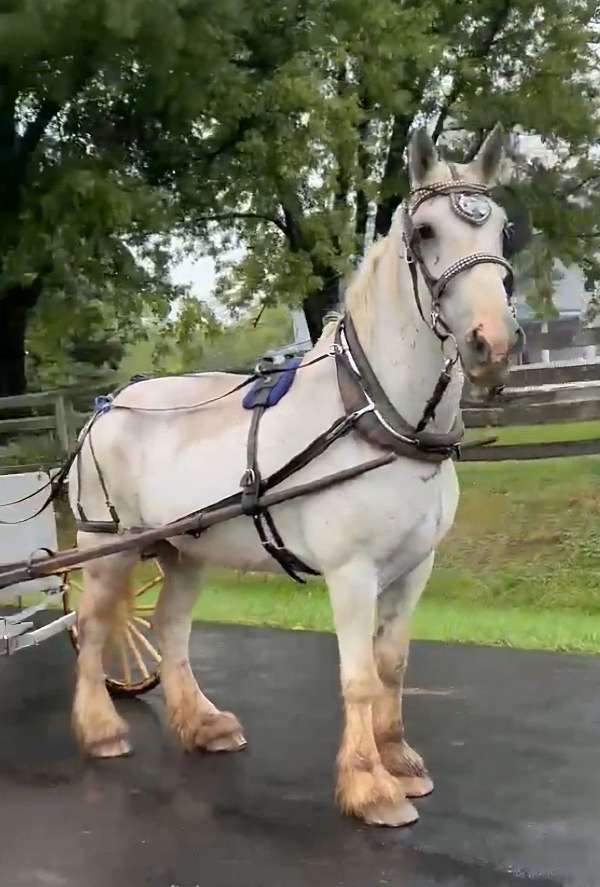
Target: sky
(199, 273)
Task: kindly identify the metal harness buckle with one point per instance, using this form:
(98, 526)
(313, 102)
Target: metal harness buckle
(248, 478)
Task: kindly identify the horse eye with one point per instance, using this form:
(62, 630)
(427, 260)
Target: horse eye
(426, 232)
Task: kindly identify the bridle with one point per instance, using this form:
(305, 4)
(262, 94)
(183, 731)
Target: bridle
(474, 212)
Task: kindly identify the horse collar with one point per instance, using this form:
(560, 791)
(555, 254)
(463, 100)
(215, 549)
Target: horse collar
(371, 413)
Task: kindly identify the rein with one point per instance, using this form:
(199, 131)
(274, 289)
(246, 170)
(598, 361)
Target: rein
(108, 401)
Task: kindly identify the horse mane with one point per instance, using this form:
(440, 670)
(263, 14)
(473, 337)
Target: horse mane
(359, 301)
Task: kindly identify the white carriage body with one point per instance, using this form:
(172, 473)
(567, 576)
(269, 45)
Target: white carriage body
(18, 542)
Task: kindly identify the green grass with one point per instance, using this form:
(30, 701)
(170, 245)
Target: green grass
(527, 535)
(555, 433)
(256, 601)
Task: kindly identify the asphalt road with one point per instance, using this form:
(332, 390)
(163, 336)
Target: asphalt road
(512, 739)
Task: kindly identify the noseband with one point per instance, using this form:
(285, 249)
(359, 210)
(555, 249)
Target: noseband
(469, 201)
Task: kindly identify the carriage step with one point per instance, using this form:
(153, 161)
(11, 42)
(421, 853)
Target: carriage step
(8, 632)
(10, 629)
(17, 637)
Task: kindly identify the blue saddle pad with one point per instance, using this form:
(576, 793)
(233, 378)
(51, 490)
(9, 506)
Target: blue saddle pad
(270, 388)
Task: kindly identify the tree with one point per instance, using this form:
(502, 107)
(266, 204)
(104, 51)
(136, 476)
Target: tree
(234, 346)
(310, 154)
(278, 127)
(83, 233)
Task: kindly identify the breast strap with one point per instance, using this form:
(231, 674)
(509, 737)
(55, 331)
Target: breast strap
(379, 421)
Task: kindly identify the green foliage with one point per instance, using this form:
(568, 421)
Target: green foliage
(234, 346)
(239, 345)
(321, 104)
(33, 449)
(81, 219)
(280, 128)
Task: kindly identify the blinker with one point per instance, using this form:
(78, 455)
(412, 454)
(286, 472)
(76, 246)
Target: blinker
(473, 208)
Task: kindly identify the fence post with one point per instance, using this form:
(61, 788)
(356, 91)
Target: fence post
(62, 426)
(72, 429)
(545, 353)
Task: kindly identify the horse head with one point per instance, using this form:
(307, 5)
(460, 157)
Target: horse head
(458, 241)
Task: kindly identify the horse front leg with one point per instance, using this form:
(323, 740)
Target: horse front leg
(396, 605)
(364, 787)
(193, 717)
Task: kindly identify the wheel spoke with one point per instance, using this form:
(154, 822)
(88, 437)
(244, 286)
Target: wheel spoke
(73, 583)
(124, 661)
(148, 585)
(145, 642)
(143, 622)
(136, 654)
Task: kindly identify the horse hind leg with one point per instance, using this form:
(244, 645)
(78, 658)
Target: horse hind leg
(193, 717)
(99, 730)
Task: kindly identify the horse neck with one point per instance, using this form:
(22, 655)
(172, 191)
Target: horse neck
(405, 355)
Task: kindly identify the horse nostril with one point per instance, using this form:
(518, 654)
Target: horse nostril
(480, 345)
(517, 339)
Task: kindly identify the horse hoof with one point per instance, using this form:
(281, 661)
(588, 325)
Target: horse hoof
(222, 732)
(234, 742)
(416, 786)
(110, 748)
(392, 815)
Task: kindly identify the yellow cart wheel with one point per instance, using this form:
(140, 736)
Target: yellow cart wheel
(131, 658)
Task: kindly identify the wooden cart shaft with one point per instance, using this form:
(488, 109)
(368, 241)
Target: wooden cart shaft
(196, 523)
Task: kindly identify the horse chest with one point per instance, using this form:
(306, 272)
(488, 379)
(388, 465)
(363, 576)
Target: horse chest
(414, 522)
(411, 549)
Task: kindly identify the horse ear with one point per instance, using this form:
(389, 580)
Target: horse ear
(490, 154)
(422, 155)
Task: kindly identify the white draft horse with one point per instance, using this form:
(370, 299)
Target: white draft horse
(373, 538)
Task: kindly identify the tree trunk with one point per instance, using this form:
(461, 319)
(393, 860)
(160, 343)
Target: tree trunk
(320, 302)
(15, 306)
(394, 185)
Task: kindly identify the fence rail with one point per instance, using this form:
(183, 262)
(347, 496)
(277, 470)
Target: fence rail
(52, 412)
(535, 396)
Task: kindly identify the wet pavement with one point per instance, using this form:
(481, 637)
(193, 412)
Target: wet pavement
(512, 738)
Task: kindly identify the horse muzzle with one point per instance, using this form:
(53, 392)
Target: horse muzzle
(487, 350)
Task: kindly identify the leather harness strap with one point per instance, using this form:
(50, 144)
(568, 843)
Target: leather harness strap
(252, 487)
(378, 421)
(369, 411)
